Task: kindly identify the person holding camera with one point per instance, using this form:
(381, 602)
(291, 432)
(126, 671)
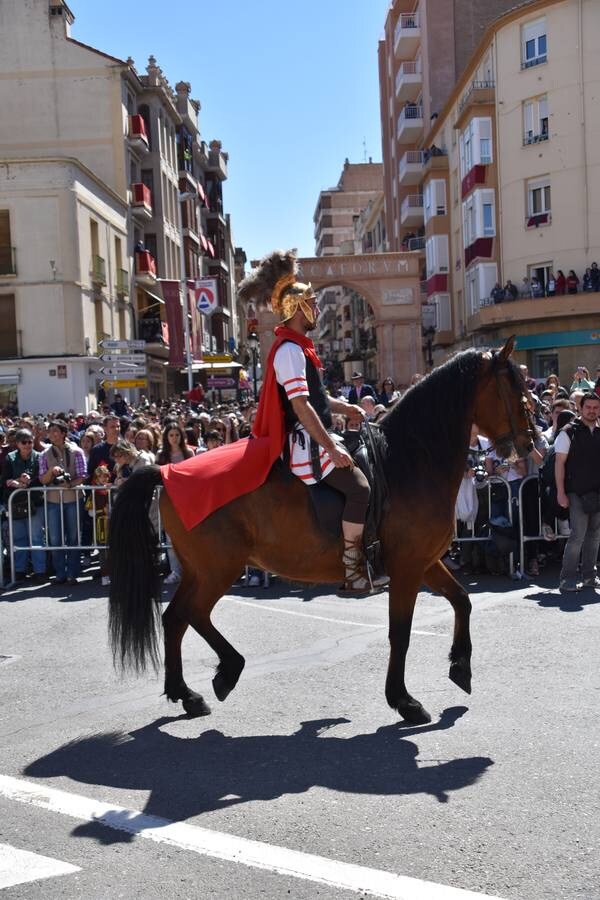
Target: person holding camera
(20, 474)
(63, 467)
(577, 472)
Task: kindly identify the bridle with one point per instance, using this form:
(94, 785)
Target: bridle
(505, 395)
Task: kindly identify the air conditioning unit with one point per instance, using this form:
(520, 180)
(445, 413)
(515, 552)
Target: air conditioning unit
(443, 268)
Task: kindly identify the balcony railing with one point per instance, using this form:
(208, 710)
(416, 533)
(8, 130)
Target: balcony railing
(151, 330)
(410, 120)
(98, 270)
(122, 282)
(7, 261)
(145, 265)
(416, 243)
(478, 91)
(410, 167)
(137, 134)
(408, 80)
(530, 138)
(407, 33)
(141, 195)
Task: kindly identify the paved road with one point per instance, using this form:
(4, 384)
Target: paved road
(498, 796)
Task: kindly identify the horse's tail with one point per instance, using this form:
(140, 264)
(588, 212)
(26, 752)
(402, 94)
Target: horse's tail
(134, 578)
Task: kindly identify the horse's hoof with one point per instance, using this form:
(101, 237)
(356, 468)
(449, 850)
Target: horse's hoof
(221, 686)
(460, 674)
(195, 705)
(414, 713)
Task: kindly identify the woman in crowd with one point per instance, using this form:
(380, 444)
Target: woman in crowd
(389, 394)
(561, 282)
(144, 442)
(582, 380)
(587, 284)
(86, 442)
(174, 446)
(127, 460)
(572, 282)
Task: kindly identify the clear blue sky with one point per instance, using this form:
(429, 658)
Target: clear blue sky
(290, 88)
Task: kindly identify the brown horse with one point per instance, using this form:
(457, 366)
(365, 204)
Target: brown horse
(275, 528)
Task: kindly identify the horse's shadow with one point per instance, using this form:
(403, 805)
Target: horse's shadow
(190, 776)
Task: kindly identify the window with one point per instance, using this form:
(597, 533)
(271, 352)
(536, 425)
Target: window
(475, 144)
(8, 326)
(6, 253)
(535, 120)
(533, 44)
(539, 197)
(436, 254)
(479, 282)
(479, 216)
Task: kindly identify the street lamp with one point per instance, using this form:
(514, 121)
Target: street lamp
(183, 197)
(253, 344)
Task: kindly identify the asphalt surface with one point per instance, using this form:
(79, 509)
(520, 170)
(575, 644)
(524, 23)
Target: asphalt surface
(498, 795)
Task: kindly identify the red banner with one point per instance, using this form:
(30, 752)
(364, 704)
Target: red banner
(195, 324)
(170, 292)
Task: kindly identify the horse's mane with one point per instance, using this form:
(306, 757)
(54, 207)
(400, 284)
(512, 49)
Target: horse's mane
(426, 429)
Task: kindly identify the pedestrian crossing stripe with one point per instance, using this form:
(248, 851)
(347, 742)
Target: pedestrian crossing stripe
(21, 866)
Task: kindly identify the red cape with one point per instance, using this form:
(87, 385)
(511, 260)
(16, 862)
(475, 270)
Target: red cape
(200, 485)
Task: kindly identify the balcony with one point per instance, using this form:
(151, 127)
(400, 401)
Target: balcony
(410, 124)
(411, 211)
(416, 243)
(153, 331)
(410, 167)
(7, 262)
(217, 161)
(407, 35)
(476, 175)
(98, 271)
(137, 135)
(544, 311)
(145, 268)
(141, 201)
(479, 93)
(482, 248)
(437, 284)
(409, 80)
(122, 283)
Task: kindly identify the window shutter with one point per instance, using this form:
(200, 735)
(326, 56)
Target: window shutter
(4, 229)
(528, 119)
(439, 186)
(543, 107)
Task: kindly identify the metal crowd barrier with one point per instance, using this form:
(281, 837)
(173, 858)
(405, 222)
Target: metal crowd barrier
(83, 492)
(526, 538)
(486, 488)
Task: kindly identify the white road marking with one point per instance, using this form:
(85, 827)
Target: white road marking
(21, 866)
(291, 612)
(258, 855)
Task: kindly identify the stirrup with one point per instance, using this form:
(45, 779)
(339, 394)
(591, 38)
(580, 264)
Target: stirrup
(357, 582)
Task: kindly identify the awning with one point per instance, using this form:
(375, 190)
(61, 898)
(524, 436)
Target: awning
(201, 193)
(152, 294)
(211, 249)
(204, 242)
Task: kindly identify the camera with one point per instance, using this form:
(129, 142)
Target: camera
(477, 463)
(62, 478)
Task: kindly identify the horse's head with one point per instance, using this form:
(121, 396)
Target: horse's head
(503, 405)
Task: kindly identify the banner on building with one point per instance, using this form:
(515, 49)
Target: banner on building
(170, 292)
(195, 323)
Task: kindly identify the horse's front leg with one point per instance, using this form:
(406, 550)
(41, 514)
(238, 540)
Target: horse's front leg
(175, 626)
(439, 579)
(403, 594)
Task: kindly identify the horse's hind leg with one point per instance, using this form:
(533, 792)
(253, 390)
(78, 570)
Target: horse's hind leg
(174, 629)
(439, 579)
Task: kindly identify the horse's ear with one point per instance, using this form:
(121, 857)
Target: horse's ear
(507, 349)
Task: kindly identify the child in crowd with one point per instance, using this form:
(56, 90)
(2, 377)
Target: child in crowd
(97, 508)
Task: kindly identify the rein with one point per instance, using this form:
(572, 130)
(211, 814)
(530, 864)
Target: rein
(515, 432)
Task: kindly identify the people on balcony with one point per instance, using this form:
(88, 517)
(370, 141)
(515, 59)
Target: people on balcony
(586, 284)
(561, 282)
(537, 288)
(498, 294)
(511, 291)
(551, 284)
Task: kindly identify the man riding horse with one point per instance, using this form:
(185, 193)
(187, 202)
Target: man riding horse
(311, 451)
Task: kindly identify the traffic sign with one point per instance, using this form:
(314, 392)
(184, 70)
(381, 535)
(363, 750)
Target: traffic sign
(122, 345)
(116, 371)
(124, 358)
(207, 295)
(127, 383)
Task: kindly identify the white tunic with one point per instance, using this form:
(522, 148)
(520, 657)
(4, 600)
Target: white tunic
(290, 372)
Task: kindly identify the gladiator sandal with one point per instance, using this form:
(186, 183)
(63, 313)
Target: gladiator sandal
(357, 581)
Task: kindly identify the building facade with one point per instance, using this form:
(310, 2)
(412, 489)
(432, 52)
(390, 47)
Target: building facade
(511, 194)
(78, 116)
(346, 330)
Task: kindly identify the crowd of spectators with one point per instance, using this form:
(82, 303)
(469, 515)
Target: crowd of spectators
(556, 285)
(66, 450)
(103, 447)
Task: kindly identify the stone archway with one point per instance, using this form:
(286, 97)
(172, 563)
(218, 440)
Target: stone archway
(390, 284)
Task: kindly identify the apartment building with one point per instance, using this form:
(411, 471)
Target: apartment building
(346, 336)
(511, 190)
(94, 123)
(425, 48)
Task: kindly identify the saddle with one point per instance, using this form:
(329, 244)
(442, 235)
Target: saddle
(368, 449)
